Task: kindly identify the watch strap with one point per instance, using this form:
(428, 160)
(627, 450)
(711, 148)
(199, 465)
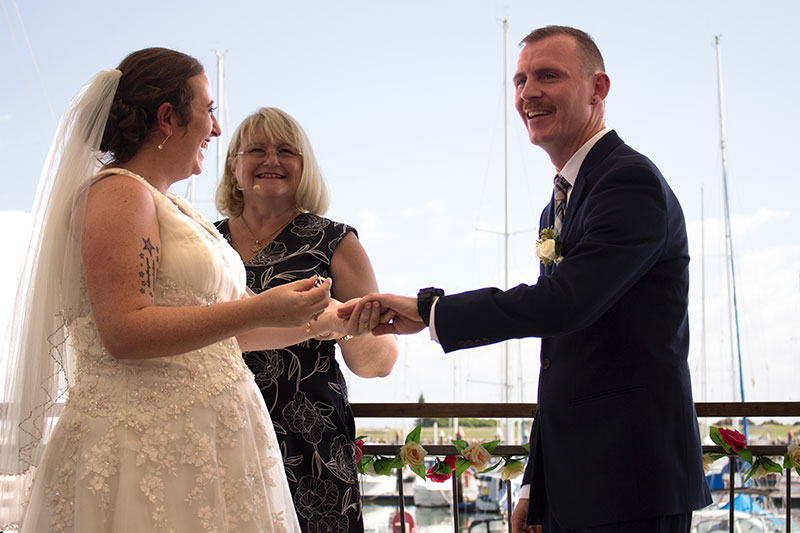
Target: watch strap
(425, 302)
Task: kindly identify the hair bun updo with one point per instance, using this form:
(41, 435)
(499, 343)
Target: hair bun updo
(150, 77)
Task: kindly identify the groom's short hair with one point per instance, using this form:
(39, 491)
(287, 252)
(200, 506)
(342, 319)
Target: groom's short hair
(591, 58)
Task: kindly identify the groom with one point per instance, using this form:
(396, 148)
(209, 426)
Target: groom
(615, 444)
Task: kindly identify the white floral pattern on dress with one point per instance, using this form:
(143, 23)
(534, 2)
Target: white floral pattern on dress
(181, 443)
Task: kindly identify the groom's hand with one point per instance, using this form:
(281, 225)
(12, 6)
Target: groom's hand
(398, 313)
(519, 519)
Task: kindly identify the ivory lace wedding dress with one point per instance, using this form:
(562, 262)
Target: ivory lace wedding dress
(171, 444)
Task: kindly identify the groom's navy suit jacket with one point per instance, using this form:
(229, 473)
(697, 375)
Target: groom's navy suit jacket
(615, 437)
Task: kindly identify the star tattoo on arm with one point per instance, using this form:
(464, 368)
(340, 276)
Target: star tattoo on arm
(148, 265)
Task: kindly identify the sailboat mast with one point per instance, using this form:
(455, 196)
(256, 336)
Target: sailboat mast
(507, 380)
(703, 359)
(731, 272)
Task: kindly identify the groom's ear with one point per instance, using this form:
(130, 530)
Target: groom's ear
(602, 85)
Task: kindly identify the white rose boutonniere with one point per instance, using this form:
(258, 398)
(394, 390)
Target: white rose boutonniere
(548, 249)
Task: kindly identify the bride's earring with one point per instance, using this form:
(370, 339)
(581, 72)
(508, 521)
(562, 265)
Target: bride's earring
(161, 146)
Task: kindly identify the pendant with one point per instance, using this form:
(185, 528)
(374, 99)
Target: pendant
(255, 248)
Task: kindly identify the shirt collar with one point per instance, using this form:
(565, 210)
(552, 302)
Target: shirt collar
(570, 170)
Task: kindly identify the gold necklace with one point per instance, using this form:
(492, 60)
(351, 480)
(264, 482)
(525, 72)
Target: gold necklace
(257, 247)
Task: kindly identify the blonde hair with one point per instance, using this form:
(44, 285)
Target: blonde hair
(278, 127)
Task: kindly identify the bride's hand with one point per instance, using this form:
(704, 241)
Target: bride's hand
(294, 304)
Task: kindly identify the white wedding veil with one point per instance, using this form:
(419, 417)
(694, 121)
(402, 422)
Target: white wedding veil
(35, 367)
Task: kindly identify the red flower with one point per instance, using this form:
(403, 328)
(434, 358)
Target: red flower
(734, 439)
(435, 473)
(359, 449)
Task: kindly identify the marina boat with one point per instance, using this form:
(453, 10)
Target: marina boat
(492, 492)
(430, 494)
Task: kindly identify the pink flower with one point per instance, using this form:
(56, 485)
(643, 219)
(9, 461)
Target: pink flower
(477, 455)
(734, 439)
(359, 449)
(438, 477)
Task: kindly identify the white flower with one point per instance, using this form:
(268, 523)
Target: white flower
(546, 249)
(707, 460)
(794, 453)
(512, 470)
(413, 454)
(760, 472)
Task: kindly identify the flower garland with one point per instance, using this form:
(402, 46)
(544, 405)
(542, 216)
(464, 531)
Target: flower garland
(476, 455)
(734, 443)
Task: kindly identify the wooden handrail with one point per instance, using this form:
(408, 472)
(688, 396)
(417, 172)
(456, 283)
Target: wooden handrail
(528, 410)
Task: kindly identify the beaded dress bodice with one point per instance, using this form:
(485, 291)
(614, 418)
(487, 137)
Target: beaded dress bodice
(196, 267)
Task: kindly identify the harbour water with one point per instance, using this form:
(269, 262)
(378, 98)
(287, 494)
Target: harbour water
(378, 519)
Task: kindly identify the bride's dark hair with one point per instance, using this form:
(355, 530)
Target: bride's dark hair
(150, 77)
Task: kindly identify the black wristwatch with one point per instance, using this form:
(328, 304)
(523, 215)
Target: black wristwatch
(425, 301)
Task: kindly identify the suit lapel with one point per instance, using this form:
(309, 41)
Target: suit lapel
(583, 184)
(583, 181)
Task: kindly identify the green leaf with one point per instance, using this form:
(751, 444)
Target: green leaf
(509, 463)
(364, 463)
(459, 444)
(461, 466)
(384, 466)
(440, 467)
(414, 435)
(360, 437)
(787, 461)
(716, 456)
(715, 435)
(490, 446)
(770, 465)
(527, 447)
(751, 471)
(746, 455)
(420, 471)
(396, 462)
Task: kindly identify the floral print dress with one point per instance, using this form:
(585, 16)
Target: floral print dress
(303, 386)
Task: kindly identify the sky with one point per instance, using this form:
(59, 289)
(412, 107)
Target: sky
(404, 106)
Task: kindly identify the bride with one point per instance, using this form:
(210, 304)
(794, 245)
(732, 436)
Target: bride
(134, 310)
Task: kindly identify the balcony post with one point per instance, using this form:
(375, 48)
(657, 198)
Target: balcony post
(731, 486)
(508, 500)
(402, 500)
(456, 525)
(789, 499)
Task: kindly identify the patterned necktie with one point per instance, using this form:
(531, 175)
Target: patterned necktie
(561, 186)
